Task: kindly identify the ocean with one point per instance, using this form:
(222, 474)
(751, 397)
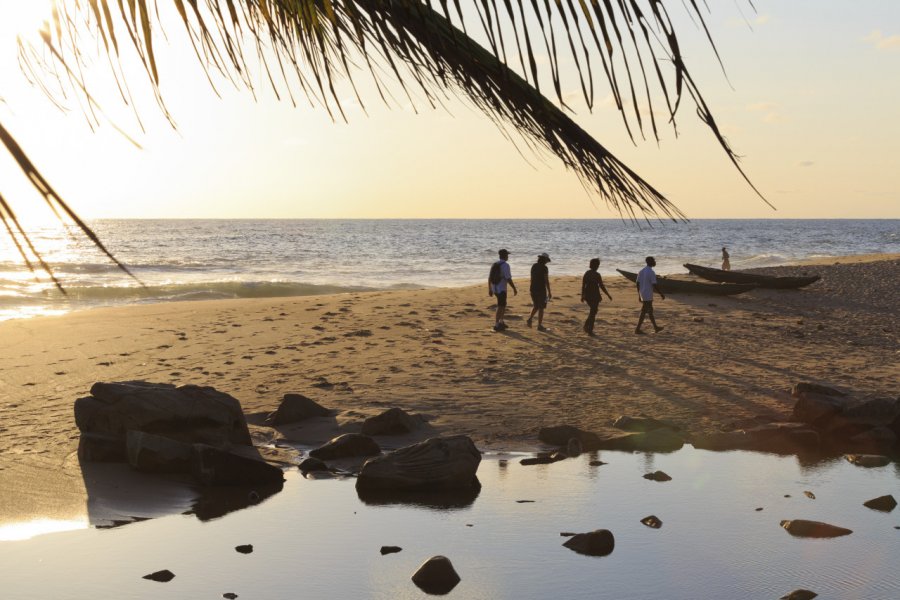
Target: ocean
(199, 259)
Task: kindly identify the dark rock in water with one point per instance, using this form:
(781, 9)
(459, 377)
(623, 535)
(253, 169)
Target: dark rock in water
(211, 466)
(818, 409)
(436, 576)
(800, 595)
(244, 548)
(560, 435)
(163, 576)
(539, 460)
(390, 549)
(652, 521)
(657, 440)
(769, 437)
(567, 533)
(393, 421)
(574, 447)
(312, 464)
(95, 447)
(441, 463)
(878, 440)
(807, 387)
(294, 408)
(868, 461)
(642, 424)
(190, 413)
(597, 463)
(154, 453)
(657, 476)
(229, 595)
(882, 503)
(595, 543)
(216, 502)
(346, 446)
(809, 495)
(524, 501)
(759, 509)
(814, 529)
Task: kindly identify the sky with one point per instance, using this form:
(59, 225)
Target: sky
(809, 103)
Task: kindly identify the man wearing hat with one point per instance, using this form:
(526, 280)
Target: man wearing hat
(499, 277)
(540, 289)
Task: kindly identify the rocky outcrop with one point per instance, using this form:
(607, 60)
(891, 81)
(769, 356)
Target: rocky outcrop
(442, 463)
(346, 446)
(393, 421)
(559, 435)
(436, 576)
(595, 543)
(294, 408)
(813, 529)
(213, 466)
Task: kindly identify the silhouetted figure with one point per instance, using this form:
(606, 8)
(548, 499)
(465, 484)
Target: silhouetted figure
(500, 275)
(646, 285)
(726, 264)
(540, 290)
(591, 284)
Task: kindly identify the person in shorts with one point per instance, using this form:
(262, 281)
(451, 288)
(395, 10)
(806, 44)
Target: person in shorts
(500, 276)
(540, 290)
(591, 285)
(646, 285)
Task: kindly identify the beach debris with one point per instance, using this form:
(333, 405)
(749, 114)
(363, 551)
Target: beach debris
(440, 463)
(154, 453)
(658, 476)
(882, 503)
(436, 576)
(212, 466)
(230, 595)
(599, 542)
(346, 446)
(642, 423)
(574, 447)
(390, 549)
(312, 464)
(559, 435)
(814, 529)
(868, 461)
(652, 522)
(393, 421)
(799, 595)
(244, 548)
(294, 408)
(525, 501)
(809, 495)
(597, 463)
(163, 576)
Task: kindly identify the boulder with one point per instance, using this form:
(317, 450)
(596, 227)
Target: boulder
(436, 576)
(346, 446)
(390, 550)
(882, 503)
(642, 424)
(814, 529)
(782, 437)
(442, 463)
(244, 548)
(799, 595)
(560, 435)
(877, 440)
(296, 407)
(878, 411)
(574, 447)
(658, 476)
(190, 413)
(393, 421)
(595, 543)
(818, 409)
(657, 440)
(868, 461)
(311, 464)
(154, 453)
(96, 447)
(163, 576)
(212, 466)
(805, 387)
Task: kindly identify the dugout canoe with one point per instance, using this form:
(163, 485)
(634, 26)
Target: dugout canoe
(675, 286)
(763, 281)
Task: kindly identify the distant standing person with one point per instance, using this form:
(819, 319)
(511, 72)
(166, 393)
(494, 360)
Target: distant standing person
(498, 279)
(591, 284)
(646, 285)
(726, 264)
(540, 290)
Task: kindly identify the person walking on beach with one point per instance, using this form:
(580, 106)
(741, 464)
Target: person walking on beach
(498, 279)
(591, 285)
(726, 264)
(540, 290)
(646, 285)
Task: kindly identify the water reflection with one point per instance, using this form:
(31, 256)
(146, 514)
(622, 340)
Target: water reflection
(435, 500)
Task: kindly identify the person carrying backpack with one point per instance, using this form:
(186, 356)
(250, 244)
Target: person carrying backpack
(498, 278)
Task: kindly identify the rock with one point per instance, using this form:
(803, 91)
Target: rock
(212, 466)
(560, 435)
(229, 595)
(189, 413)
(809, 495)
(818, 409)
(542, 459)
(294, 408)
(595, 543)
(769, 437)
(642, 424)
(597, 463)
(312, 464)
(868, 461)
(346, 446)
(441, 463)
(154, 453)
(390, 549)
(814, 529)
(436, 576)
(806, 387)
(878, 411)
(652, 521)
(878, 440)
(393, 421)
(95, 447)
(657, 476)
(882, 503)
(799, 595)
(163, 576)
(574, 447)
(244, 548)
(657, 440)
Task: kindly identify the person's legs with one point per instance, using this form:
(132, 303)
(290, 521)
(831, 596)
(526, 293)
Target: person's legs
(644, 306)
(592, 315)
(540, 317)
(534, 309)
(656, 328)
(501, 310)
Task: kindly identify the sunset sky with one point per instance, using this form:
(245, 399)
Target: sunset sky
(812, 107)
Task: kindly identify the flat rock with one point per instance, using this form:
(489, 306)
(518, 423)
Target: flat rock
(882, 503)
(390, 549)
(441, 463)
(868, 461)
(212, 466)
(599, 542)
(393, 421)
(346, 446)
(814, 529)
(294, 408)
(559, 435)
(163, 576)
(658, 476)
(799, 595)
(436, 576)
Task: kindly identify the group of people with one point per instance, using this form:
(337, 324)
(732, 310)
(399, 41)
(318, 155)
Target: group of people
(592, 288)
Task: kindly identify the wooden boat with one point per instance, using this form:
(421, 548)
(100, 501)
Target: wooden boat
(763, 281)
(674, 286)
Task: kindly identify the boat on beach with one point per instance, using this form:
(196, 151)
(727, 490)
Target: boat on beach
(763, 281)
(675, 286)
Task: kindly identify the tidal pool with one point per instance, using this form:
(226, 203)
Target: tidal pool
(317, 539)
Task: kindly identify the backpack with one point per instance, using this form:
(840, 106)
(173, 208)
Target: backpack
(496, 274)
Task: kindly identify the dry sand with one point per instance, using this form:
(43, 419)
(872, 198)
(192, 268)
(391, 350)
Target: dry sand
(719, 361)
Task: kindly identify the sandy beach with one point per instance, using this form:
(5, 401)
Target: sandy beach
(719, 361)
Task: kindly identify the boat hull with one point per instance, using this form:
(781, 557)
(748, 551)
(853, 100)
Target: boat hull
(673, 286)
(763, 281)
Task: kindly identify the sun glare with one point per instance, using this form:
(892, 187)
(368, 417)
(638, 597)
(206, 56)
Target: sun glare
(22, 17)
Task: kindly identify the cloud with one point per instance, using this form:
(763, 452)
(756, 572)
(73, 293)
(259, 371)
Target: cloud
(806, 163)
(761, 106)
(762, 19)
(769, 108)
(877, 39)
